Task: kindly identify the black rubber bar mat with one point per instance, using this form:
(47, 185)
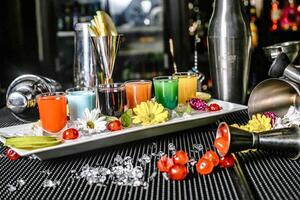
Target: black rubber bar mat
(69, 177)
(268, 176)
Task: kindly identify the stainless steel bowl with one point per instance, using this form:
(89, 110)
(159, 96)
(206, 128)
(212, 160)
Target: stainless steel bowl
(291, 48)
(275, 95)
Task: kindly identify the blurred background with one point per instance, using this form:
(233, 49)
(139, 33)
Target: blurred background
(36, 36)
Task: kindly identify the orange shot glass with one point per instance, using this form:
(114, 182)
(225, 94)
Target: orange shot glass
(137, 91)
(187, 86)
(53, 111)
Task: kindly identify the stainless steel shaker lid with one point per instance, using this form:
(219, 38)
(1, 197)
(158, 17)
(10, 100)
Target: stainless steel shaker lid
(21, 94)
(16, 102)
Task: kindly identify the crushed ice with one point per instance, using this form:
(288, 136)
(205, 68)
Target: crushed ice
(46, 172)
(123, 171)
(11, 188)
(50, 184)
(172, 148)
(197, 148)
(192, 161)
(145, 159)
(21, 182)
(152, 176)
(165, 176)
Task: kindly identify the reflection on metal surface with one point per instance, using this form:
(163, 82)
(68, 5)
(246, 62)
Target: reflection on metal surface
(291, 49)
(229, 44)
(284, 141)
(275, 95)
(106, 49)
(21, 94)
(85, 72)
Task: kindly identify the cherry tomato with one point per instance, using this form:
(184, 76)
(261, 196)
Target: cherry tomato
(214, 107)
(204, 166)
(178, 172)
(70, 134)
(222, 145)
(114, 125)
(11, 154)
(227, 161)
(164, 164)
(180, 157)
(223, 131)
(212, 156)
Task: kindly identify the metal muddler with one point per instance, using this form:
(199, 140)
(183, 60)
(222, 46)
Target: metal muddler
(22, 92)
(284, 142)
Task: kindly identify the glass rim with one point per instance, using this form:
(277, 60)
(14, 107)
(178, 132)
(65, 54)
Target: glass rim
(117, 86)
(171, 78)
(76, 89)
(49, 94)
(182, 74)
(138, 81)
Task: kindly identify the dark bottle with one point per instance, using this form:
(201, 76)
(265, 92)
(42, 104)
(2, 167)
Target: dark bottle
(229, 43)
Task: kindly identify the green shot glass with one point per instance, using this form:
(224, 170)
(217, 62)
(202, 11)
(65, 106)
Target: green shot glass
(166, 91)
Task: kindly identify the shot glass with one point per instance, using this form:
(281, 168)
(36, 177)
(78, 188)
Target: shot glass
(187, 86)
(112, 99)
(53, 111)
(166, 91)
(137, 91)
(78, 100)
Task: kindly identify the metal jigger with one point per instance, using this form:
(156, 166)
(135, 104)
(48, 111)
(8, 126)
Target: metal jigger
(106, 49)
(285, 141)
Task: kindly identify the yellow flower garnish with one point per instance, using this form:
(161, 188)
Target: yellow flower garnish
(149, 113)
(257, 124)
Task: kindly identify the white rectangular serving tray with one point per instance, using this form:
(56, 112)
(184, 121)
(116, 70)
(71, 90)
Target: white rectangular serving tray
(105, 139)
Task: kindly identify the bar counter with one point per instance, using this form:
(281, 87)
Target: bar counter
(256, 175)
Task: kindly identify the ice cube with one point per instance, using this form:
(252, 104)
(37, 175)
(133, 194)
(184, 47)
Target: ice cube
(47, 172)
(118, 160)
(50, 183)
(192, 162)
(152, 176)
(21, 182)
(11, 188)
(145, 159)
(165, 176)
(197, 147)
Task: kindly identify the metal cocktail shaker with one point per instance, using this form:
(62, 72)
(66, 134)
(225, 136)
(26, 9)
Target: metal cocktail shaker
(229, 43)
(22, 92)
